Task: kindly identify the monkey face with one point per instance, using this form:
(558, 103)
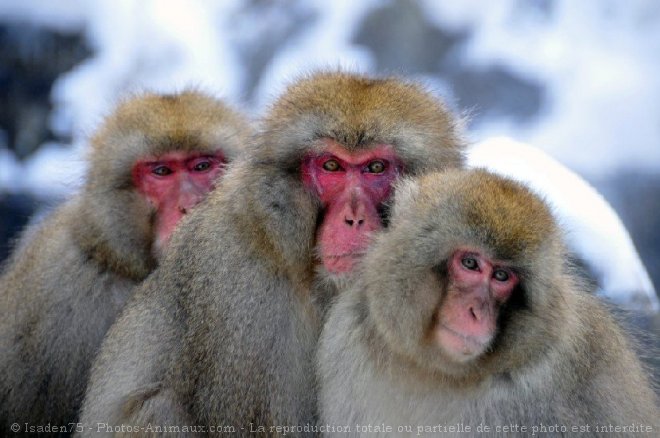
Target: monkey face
(173, 184)
(466, 320)
(351, 187)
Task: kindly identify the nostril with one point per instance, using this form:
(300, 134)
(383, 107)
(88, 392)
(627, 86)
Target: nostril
(361, 221)
(474, 315)
(349, 221)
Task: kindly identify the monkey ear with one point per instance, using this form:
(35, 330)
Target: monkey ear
(406, 193)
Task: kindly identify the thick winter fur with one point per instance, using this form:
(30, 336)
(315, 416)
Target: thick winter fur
(224, 332)
(71, 275)
(558, 357)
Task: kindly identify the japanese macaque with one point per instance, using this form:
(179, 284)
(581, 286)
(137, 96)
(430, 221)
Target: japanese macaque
(152, 160)
(224, 332)
(466, 318)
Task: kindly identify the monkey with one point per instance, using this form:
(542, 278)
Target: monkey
(153, 159)
(224, 331)
(464, 318)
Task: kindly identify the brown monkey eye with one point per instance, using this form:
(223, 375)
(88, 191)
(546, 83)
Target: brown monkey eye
(501, 275)
(161, 171)
(202, 166)
(376, 167)
(331, 166)
(469, 263)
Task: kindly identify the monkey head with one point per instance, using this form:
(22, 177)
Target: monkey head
(462, 281)
(153, 159)
(347, 138)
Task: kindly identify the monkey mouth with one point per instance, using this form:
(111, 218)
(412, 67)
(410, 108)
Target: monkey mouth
(459, 346)
(354, 255)
(341, 263)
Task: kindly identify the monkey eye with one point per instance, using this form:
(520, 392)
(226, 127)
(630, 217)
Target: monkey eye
(161, 170)
(500, 275)
(202, 166)
(331, 165)
(470, 263)
(376, 167)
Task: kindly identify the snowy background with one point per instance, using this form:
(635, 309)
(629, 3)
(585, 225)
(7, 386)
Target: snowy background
(578, 79)
(581, 79)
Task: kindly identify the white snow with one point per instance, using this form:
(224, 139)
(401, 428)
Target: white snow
(147, 44)
(8, 167)
(324, 44)
(54, 171)
(598, 61)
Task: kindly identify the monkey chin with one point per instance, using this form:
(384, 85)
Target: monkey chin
(337, 271)
(337, 280)
(458, 347)
(342, 264)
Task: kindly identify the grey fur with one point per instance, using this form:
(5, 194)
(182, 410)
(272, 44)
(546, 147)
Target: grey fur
(72, 273)
(559, 358)
(235, 328)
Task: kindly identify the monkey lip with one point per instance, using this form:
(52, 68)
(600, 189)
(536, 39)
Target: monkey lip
(341, 263)
(459, 346)
(354, 255)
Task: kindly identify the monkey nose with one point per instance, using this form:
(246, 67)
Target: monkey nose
(477, 311)
(353, 222)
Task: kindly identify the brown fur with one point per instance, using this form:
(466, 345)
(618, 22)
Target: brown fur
(71, 274)
(225, 328)
(558, 357)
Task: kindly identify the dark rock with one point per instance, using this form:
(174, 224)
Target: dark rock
(31, 58)
(289, 19)
(15, 212)
(495, 92)
(402, 40)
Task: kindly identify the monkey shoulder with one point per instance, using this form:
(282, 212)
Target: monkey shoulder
(597, 369)
(126, 384)
(51, 266)
(59, 305)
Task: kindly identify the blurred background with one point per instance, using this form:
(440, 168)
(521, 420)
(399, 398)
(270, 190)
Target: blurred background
(578, 79)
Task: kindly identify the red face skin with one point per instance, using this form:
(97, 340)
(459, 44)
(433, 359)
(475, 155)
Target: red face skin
(467, 320)
(174, 183)
(351, 186)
